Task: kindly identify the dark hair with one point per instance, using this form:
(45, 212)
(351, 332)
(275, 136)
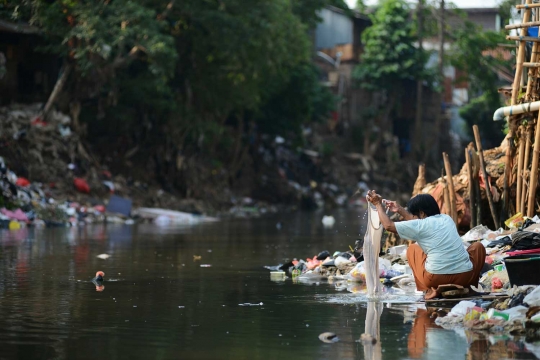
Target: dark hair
(425, 203)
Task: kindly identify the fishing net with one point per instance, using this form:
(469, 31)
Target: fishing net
(372, 246)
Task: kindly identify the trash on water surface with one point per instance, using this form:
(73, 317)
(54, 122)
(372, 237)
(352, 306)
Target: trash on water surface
(206, 265)
(197, 257)
(328, 337)
(103, 256)
(328, 221)
(278, 275)
(249, 304)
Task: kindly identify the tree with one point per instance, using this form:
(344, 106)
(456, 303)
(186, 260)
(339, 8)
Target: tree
(193, 78)
(474, 52)
(389, 59)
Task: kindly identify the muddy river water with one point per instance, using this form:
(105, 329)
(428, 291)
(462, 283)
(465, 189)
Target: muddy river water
(160, 303)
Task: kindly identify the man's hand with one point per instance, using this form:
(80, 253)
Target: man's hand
(373, 197)
(393, 206)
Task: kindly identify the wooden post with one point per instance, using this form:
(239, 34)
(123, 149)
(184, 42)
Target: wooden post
(57, 89)
(534, 170)
(472, 197)
(525, 171)
(450, 181)
(521, 157)
(484, 172)
(475, 161)
(446, 197)
(420, 180)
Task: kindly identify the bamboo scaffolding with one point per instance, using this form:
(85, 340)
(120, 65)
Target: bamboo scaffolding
(484, 173)
(521, 54)
(533, 182)
(450, 181)
(531, 64)
(515, 93)
(472, 196)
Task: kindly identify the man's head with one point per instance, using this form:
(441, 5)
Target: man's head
(423, 206)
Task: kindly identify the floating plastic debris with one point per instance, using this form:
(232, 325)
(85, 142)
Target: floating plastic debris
(328, 337)
(249, 304)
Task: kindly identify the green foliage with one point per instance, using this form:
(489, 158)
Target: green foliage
(298, 101)
(389, 55)
(191, 78)
(467, 54)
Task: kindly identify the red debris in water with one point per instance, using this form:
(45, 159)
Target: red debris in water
(496, 283)
(23, 182)
(81, 185)
(38, 122)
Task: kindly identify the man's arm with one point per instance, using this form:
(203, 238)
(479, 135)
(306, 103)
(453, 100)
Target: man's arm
(405, 214)
(396, 208)
(385, 220)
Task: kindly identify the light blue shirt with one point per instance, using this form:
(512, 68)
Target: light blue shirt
(438, 237)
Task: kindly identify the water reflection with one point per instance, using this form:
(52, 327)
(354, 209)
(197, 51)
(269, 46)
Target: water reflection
(159, 303)
(426, 340)
(371, 338)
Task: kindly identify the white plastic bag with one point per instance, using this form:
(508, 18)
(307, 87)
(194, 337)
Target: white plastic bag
(517, 313)
(533, 299)
(461, 308)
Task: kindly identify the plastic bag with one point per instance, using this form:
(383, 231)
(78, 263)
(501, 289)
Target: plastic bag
(533, 298)
(516, 313)
(476, 233)
(462, 308)
(358, 273)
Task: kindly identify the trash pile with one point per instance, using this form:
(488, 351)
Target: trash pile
(504, 249)
(347, 266)
(519, 314)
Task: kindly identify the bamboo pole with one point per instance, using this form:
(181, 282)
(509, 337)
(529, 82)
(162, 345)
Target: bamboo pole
(534, 170)
(525, 169)
(521, 157)
(450, 181)
(484, 172)
(446, 198)
(420, 180)
(527, 6)
(475, 161)
(472, 197)
(522, 25)
(522, 39)
(531, 64)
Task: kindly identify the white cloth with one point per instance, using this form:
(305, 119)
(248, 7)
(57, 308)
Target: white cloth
(438, 237)
(371, 249)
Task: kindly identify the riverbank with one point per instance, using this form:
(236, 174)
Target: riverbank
(48, 169)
